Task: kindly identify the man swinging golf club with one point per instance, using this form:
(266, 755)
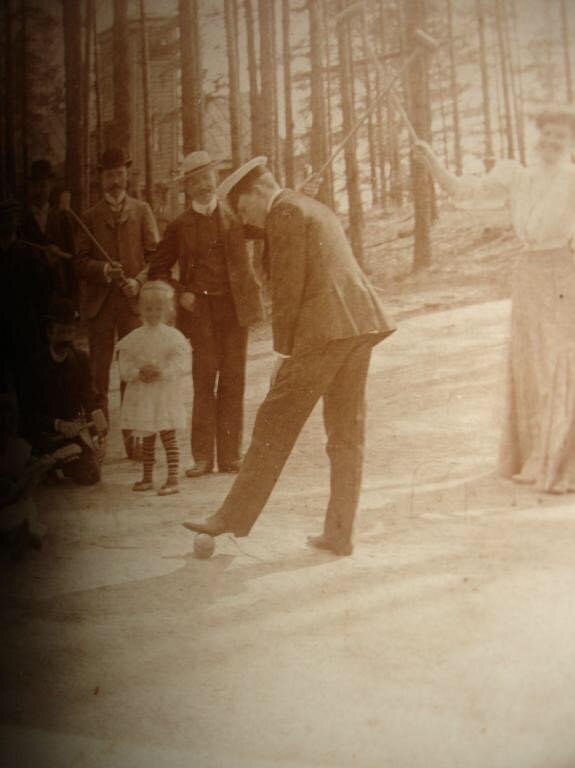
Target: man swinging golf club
(326, 318)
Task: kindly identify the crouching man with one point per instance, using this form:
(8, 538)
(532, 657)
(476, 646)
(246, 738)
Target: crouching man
(62, 406)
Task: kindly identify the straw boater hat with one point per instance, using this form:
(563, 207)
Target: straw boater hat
(195, 162)
(255, 166)
(555, 114)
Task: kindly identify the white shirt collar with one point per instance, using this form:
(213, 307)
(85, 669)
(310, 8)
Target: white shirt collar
(205, 210)
(273, 198)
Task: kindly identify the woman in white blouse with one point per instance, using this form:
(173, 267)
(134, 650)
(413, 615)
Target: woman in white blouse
(538, 444)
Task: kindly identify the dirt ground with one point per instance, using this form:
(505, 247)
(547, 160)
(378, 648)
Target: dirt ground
(445, 641)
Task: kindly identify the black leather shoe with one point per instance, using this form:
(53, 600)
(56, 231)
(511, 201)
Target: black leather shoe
(341, 548)
(213, 526)
(232, 467)
(199, 468)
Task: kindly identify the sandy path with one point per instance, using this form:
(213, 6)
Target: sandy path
(444, 642)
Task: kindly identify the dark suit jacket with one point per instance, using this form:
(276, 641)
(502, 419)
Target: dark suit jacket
(59, 231)
(58, 390)
(179, 247)
(131, 240)
(319, 292)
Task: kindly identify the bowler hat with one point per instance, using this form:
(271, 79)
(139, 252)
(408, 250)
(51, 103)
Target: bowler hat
(114, 158)
(197, 161)
(62, 311)
(41, 170)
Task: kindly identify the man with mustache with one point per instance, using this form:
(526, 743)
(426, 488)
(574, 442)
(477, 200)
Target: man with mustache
(126, 229)
(60, 397)
(326, 319)
(218, 299)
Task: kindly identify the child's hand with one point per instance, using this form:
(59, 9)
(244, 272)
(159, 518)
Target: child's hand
(149, 373)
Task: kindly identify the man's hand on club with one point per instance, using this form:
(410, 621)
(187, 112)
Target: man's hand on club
(114, 271)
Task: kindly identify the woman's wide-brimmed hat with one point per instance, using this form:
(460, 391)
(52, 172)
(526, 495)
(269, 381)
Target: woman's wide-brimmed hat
(554, 113)
(114, 158)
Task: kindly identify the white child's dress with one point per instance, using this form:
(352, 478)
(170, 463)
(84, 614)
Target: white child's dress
(158, 405)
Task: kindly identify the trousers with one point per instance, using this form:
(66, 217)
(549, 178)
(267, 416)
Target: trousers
(219, 351)
(114, 321)
(338, 374)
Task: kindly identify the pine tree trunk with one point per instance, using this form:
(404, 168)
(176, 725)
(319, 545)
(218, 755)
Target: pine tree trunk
(267, 75)
(348, 114)
(566, 50)
(326, 59)
(99, 136)
(24, 86)
(488, 155)
(145, 63)
(454, 88)
(289, 163)
(318, 146)
(396, 179)
(442, 111)
(503, 55)
(86, 91)
(72, 29)
(9, 156)
(253, 78)
(190, 57)
(122, 77)
(230, 15)
(371, 143)
(419, 115)
(277, 163)
(379, 26)
(517, 105)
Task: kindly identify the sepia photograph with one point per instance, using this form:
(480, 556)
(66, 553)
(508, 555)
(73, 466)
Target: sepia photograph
(287, 383)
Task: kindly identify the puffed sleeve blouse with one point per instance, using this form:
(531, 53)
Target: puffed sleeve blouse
(541, 201)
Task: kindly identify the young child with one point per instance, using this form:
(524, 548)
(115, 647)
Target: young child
(152, 360)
